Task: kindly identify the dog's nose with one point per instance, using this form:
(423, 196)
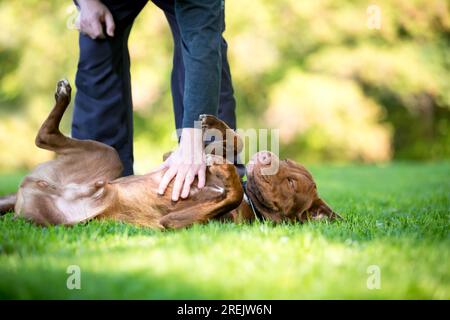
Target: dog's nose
(265, 157)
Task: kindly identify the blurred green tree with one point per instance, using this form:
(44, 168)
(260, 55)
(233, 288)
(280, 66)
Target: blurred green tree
(338, 90)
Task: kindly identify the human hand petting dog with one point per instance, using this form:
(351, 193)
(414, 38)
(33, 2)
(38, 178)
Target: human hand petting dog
(93, 16)
(184, 164)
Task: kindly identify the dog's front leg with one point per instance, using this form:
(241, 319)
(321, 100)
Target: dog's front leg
(229, 197)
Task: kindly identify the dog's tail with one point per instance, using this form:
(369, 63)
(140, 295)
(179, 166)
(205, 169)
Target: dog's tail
(7, 203)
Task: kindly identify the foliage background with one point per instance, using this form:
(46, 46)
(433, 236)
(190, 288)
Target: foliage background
(339, 91)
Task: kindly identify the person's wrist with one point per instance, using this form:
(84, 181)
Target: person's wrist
(192, 135)
(191, 144)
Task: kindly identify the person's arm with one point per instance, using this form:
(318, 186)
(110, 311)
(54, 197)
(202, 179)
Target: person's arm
(200, 25)
(93, 15)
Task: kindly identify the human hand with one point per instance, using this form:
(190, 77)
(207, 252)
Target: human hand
(184, 164)
(93, 14)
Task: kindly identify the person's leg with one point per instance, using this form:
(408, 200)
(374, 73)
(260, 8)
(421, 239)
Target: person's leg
(103, 106)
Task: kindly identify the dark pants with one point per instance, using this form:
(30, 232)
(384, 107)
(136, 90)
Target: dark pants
(103, 105)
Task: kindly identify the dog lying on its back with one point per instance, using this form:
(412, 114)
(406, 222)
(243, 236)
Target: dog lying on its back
(84, 182)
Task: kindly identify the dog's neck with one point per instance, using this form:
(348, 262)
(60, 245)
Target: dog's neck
(249, 202)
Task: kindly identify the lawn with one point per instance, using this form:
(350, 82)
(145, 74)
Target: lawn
(396, 219)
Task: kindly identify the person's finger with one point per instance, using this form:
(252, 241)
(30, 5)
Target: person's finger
(190, 176)
(96, 30)
(168, 176)
(178, 184)
(201, 177)
(164, 165)
(110, 25)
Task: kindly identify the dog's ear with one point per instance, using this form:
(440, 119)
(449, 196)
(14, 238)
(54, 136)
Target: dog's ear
(320, 210)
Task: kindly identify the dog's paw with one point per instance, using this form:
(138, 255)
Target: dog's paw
(212, 159)
(209, 121)
(63, 89)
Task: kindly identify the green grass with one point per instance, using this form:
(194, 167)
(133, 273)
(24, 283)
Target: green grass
(396, 217)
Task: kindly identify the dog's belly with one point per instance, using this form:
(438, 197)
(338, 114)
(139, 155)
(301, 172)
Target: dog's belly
(45, 203)
(53, 194)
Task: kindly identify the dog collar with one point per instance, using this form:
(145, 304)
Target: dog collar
(256, 213)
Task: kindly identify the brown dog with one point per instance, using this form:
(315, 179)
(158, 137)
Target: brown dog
(83, 183)
(289, 195)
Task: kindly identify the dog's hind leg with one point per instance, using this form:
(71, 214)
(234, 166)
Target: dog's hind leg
(82, 151)
(69, 188)
(49, 137)
(7, 203)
